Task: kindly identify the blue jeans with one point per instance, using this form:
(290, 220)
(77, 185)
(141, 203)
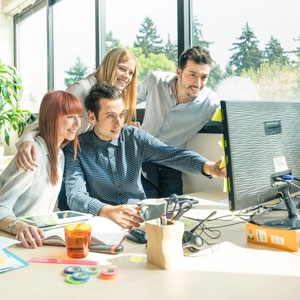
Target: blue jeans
(161, 181)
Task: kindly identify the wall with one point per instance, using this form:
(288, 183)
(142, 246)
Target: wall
(7, 39)
(206, 145)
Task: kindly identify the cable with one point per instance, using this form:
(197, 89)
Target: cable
(291, 183)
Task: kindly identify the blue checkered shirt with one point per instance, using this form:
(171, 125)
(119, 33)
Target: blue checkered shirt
(110, 172)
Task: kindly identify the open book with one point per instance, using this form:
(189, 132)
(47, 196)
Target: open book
(104, 232)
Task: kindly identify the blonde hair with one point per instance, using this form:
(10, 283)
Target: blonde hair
(106, 73)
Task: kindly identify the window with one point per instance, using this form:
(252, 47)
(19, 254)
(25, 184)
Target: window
(74, 41)
(71, 28)
(31, 57)
(128, 24)
(257, 42)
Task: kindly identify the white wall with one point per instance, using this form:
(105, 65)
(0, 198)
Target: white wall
(7, 39)
(206, 145)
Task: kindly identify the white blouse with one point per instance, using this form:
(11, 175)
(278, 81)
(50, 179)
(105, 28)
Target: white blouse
(30, 193)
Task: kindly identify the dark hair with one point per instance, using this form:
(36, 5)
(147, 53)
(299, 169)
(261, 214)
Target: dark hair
(100, 91)
(198, 54)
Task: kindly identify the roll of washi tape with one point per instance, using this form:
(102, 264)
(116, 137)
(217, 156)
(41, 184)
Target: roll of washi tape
(72, 269)
(69, 279)
(91, 270)
(81, 276)
(109, 273)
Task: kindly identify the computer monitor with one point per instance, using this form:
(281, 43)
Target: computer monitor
(262, 143)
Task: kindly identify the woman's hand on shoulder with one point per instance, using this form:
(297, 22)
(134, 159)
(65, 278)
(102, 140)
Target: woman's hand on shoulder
(26, 156)
(30, 236)
(135, 124)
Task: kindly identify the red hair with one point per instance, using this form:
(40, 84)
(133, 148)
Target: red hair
(55, 105)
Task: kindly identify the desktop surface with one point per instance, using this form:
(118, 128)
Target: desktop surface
(231, 269)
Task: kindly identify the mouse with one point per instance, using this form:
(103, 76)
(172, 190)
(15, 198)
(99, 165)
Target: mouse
(137, 236)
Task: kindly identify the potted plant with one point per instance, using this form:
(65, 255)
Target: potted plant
(11, 116)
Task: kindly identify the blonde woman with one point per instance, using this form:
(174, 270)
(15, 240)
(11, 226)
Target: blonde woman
(118, 68)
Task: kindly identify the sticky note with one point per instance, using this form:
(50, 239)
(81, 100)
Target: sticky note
(225, 185)
(221, 143)
(223, 163)
(217, 116)
(186, 222)
(136, 259)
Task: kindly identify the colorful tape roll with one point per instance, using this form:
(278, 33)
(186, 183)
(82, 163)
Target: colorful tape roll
(69, 279)
(92, 270)
(109, 273)
(72, 269)
(81, 276)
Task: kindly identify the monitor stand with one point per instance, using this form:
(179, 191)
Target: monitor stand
(288, 219)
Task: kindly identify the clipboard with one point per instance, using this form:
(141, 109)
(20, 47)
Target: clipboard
(9, 261)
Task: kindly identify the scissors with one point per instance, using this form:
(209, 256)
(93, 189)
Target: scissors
(174, 204)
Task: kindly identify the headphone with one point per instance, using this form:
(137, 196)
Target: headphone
(191, 239)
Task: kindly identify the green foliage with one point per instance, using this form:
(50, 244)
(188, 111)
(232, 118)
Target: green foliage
(111, 42)
(154, 62)
(197, 34)
(215, 76)
(148, 40)
(275, 53)
(11, 116)
(247, 53)
(275, 81)
(171, 51)
(76, 72)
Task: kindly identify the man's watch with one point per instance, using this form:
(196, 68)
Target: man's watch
(11, 225)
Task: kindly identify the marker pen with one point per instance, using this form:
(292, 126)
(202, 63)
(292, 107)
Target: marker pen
(110, 249)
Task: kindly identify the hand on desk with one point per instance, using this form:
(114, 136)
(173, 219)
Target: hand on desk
(26, 156)
(127, 216)
(30, 236)
(211, 168)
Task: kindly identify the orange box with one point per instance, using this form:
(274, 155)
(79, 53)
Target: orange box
(287, 239)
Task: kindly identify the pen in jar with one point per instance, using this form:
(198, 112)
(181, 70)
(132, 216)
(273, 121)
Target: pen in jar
(163, 219)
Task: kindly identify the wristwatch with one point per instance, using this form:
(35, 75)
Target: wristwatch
(11, 225)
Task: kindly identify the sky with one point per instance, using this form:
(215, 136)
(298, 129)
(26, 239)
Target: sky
(222, 21)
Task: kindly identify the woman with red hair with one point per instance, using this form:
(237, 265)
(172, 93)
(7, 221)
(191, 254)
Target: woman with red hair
(34, 192)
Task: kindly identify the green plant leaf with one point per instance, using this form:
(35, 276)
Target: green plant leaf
(11, 116)
(6, 136)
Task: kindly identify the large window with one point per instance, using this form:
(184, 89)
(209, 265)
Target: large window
(254, 45)
(74, 41)
(31, 56)
(149, 28)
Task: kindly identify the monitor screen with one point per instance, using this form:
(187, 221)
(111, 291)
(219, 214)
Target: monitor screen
(262, 143)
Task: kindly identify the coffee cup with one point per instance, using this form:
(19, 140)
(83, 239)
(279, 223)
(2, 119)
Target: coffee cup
(152, 208)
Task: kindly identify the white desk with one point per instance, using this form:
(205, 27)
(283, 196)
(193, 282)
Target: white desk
(233, 269)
